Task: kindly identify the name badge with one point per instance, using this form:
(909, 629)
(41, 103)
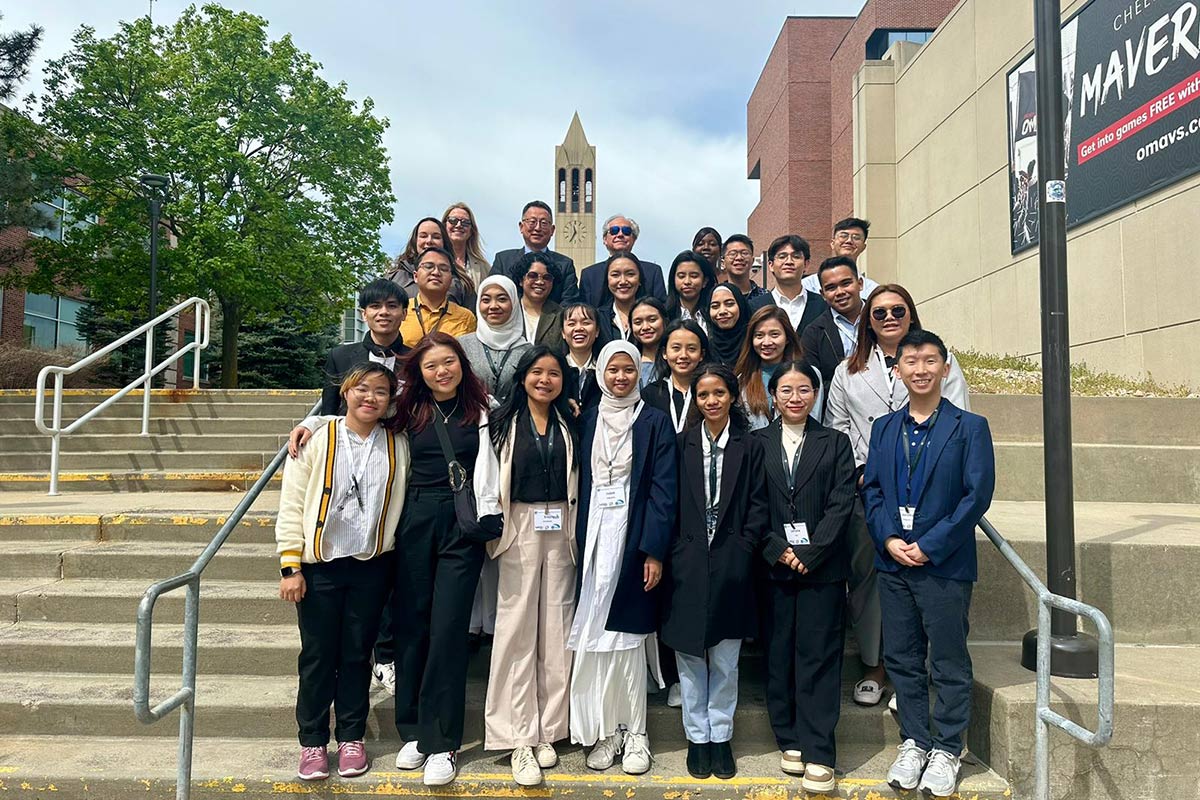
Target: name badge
(547, 519)
(610, 496)
(906, 517)
(797, 533)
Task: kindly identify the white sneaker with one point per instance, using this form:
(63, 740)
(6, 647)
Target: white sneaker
(893, 706)
(383, 676)
(792, 762)
(868, 692)
(905, 771)
(605, 752)
(636, 758)
(546, 755)
(441, 768)
(940, 778)
(525, 768)
(410, 757)
(675, 696)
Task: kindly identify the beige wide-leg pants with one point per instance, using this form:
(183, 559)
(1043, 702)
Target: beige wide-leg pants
(530, 675)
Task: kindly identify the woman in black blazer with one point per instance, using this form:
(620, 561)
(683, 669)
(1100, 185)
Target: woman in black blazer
(684, 347)
(709, 607)
(582, 341)
(810, 495)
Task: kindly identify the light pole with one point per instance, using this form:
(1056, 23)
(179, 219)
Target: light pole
(156, 185)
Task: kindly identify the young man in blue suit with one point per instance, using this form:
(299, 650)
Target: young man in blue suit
(929, 479)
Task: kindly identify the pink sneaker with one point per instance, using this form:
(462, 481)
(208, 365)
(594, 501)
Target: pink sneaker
(314, 764)
(352, 759)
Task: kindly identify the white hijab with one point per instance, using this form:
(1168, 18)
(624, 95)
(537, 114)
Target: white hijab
(512, 332)
(614, 425)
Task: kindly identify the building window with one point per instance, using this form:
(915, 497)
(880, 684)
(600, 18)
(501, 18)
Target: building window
(575, 191)
(562, 190)
(353, 327)
(60, 216)
(52, 321)
(587, 191)
(882, 40)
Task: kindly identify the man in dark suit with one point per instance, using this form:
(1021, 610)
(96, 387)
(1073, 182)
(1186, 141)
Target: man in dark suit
(383, 305)
(537, 227)
(620, 235)
(786, 258)
(833, 335)
(929, 478)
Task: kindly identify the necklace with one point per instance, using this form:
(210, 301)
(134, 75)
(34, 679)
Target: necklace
(445, 417)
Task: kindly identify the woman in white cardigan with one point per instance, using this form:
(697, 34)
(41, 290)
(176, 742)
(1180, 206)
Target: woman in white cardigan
(531, 479)
(338, 508)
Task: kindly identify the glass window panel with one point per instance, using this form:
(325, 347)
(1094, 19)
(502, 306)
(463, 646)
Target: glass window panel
(68, 309)
(70, 337)
(39, 332)
(44, 305)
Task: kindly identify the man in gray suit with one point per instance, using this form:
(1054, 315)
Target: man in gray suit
(620, 235)
(537, 227)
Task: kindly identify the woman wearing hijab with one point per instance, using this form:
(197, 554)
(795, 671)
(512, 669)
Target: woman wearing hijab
(627, 505)
(499, 339)
(728, 316)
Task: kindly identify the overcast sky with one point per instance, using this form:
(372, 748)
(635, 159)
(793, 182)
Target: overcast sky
(478, 94)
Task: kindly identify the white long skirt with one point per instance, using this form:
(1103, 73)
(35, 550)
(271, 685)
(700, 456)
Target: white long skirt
(608, 690)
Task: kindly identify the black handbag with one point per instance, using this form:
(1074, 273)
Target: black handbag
(463, 489)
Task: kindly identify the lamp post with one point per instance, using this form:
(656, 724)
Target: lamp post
(1072, 654)
(156, 185)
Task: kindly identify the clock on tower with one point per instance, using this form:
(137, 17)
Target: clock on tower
(575, 196)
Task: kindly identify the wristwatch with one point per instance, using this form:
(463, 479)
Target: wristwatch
(288, 572)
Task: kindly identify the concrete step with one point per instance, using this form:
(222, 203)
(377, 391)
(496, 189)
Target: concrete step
(152, 561)
(162, 410)
(170, 396)
(36, 559)
(257, 526)
(1096, 420)
(105, 601)
(259, 440)
(102, 462)
(134, 480)
(1104, 472)
(92, 768)
(218, 425)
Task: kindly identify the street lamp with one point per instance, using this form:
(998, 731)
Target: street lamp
(156, 185)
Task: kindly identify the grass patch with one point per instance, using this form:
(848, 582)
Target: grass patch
(1008, 374)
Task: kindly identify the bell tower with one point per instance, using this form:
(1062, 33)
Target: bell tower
(575, 196)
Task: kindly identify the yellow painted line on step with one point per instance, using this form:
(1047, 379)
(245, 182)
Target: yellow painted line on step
(102, 477)
(50, 519)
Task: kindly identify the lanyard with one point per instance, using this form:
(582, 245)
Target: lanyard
(911, 460)
(714, 491)
(436, 325)
(891, 379)
(358, 467)
(678, 417)
(610, 456)
(487, 351)
(545, 447)
(791, 469)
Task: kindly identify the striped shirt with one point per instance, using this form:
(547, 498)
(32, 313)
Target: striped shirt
(348, 527)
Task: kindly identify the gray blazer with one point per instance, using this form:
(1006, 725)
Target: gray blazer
(856, 401)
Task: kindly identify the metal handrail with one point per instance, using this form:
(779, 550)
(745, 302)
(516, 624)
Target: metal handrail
(1105, 673)
(185, 698)
(56, 430)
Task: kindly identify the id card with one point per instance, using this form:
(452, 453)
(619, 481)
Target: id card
(906, 517)
(547, 519)
(797, 533)
(610, 496)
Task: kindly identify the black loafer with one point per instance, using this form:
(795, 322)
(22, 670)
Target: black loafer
(723, 765)
(699, 760)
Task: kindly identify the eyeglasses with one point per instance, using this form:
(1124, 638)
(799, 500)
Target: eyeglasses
(847, 236)
(429, 266)
(534, 224)
(784, 392)
(458, 222)
(539, 277)
(737, 255)
(881, 313)
(624, 230)
(788, 257)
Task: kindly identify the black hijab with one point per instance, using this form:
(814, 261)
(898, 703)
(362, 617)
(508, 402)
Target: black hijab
(724, 346)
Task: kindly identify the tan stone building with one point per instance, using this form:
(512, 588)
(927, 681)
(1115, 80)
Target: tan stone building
(931, 172)
(575, 196)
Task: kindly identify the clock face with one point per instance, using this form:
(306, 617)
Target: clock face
(576, 231)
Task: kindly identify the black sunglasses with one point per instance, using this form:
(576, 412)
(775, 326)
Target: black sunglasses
(880, 313)
(624, 229)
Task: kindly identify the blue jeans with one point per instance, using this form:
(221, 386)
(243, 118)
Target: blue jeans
(924, 613)
(709, 687)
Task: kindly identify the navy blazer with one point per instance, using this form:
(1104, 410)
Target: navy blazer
(506, 261)
(651, 516)
(959, 482)
(814, 307)
(593, 283)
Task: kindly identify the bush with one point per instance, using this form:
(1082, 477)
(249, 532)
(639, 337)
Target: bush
(19, 368)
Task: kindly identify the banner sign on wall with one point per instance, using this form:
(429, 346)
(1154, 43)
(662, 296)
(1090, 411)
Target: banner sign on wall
(1131, 71)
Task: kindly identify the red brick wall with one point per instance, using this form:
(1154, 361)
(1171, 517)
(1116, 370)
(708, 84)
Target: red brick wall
(12, 317)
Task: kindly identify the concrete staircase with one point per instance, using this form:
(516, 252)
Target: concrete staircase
(76, 566)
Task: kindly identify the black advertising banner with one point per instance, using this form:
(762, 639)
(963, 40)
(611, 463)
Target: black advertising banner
(1131, 71)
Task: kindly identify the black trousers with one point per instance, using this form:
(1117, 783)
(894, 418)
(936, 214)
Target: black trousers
(924, 613)
(385, 643)
(805, 626)
(339, 619)
(437, 570)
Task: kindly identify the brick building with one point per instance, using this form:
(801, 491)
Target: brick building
(799, 119)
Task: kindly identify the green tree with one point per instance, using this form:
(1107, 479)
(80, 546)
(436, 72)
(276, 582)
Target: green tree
(280, 354)
(278, 181)
(16, 51)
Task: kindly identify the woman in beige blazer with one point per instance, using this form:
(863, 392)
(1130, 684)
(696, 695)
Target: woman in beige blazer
(531, 480)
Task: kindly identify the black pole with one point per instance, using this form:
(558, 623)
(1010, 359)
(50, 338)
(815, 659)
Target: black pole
(155, 208)
(1072, 654)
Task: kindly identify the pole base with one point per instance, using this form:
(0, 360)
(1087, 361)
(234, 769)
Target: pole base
(1071, 656)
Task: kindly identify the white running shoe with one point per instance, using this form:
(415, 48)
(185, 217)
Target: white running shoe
(636, 758)
(410, 757)
(605, 753)
(441, 768)
(940, 778)
(546, 755)
(675, 696)
(525, 768)
(905, 771)
(384, 677)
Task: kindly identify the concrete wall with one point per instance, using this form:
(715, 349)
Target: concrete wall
(930, 172)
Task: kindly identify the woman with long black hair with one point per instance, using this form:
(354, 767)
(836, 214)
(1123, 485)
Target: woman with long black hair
(531, 480)
(689, 283)
(683, 348)
(625, 283)
(648, 322)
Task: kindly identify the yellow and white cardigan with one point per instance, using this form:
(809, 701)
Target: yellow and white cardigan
(308, 490)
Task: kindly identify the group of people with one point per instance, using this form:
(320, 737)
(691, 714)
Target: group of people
(645, 473)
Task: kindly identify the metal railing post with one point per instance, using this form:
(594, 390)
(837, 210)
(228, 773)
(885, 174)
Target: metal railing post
(1041, 762)
(56, 441)
(146, 380)
(187, 712)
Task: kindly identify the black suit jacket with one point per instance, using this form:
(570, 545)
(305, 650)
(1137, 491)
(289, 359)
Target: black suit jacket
(814, 307)
(506, 260)
(823, 349)
(710, 588)
(593, 283)
(344, 358)
(823, 499)
(588, 395)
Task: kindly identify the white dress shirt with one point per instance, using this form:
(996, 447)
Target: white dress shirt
(793, 307)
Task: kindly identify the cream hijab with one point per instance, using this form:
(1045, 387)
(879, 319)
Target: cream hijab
(512, 332)
(614, 425)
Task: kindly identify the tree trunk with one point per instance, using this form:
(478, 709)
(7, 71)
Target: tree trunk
(231, 324)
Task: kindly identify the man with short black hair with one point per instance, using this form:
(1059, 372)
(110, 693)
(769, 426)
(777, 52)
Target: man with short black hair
(930, 476)
(383, 305)
(849, 241)
(432, 309)
(737, 255)
(832, 337)
(786, 258)
(620, 235)
(537, 227)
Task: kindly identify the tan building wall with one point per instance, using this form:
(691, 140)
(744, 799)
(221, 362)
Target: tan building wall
(931, 173)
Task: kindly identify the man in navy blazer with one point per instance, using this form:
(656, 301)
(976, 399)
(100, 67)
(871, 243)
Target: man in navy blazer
(620, 235)
(536, 227)
(786, 258)
(929, 479)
